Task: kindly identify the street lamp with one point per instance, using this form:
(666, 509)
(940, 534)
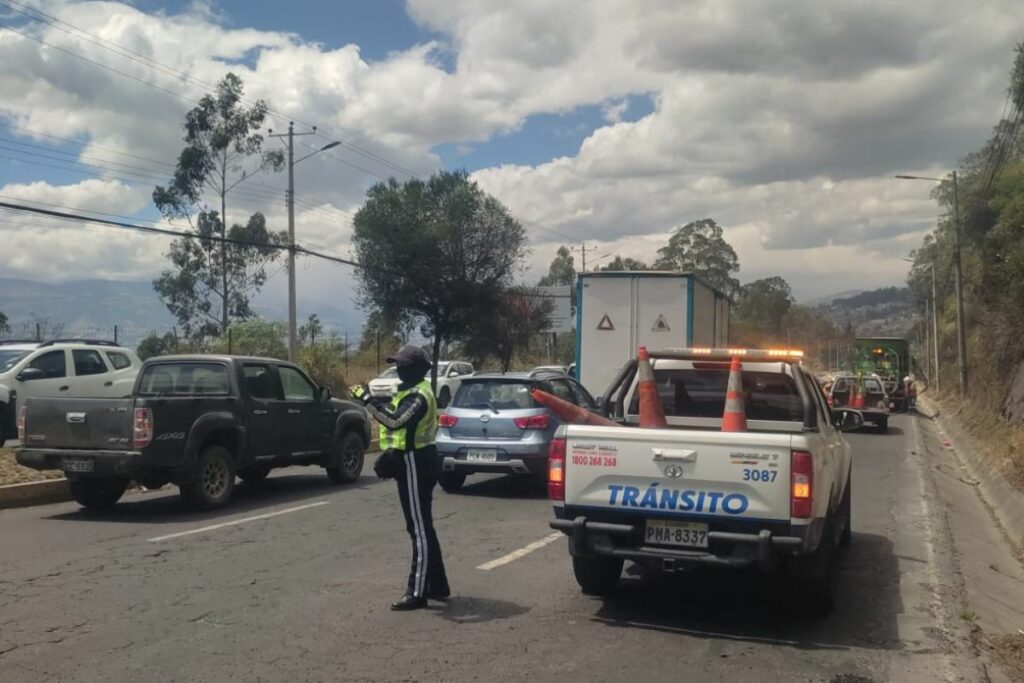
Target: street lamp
(293, 331)
(961, 341)
(935, 321)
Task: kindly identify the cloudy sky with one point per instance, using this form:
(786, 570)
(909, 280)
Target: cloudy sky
(605, 121)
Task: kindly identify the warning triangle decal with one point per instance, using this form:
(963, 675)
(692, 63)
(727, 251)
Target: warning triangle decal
(661, 325)
(606, 323)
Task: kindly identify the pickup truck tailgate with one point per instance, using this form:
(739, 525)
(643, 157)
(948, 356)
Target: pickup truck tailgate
(79, 423)
(683, 473)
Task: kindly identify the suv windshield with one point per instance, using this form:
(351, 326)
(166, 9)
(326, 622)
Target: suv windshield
(498, 394)
(10, 358)
(701, 393)
(184, 379)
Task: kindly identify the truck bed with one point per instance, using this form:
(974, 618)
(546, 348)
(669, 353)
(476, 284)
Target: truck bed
(79, 423)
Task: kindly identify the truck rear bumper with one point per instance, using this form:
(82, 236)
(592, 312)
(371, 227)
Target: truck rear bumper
(100, 463)
(588, 538)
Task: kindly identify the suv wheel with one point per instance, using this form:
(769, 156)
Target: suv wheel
(597, 575)
(451, 482)
(215, 479)
(97, 494)
(347, 460)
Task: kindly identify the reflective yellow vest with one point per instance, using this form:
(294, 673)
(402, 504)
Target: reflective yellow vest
(426, 428)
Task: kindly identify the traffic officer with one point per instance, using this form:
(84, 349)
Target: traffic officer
(408, 427)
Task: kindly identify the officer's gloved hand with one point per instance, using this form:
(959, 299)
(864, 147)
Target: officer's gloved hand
(361, 393)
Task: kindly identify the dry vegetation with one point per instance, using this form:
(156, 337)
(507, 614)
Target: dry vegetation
(13, 473)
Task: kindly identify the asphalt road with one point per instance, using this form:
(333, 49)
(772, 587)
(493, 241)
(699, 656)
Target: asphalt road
(147, 592)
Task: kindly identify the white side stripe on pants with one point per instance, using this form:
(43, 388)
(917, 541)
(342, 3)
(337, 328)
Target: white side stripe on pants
(412, 483)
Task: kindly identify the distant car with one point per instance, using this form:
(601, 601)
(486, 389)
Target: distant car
(876, 401)
(494, 425)
(449, 376)
(61, 368)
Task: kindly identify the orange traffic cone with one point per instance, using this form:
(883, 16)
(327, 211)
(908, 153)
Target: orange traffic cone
(569, 413)
(857, 401)
(652, 414)
(734, 419)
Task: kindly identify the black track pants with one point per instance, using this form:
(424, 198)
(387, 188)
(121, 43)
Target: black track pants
(416, 492)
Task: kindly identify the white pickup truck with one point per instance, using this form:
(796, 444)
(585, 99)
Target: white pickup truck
(776, 497)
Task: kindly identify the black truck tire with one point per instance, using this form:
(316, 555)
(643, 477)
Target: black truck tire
(816, 576)
(3, 424)
(451, 482)
(347, 460)
(883, 425)
(97, 494)
(846, 514)
(214, 481)
(597, 575)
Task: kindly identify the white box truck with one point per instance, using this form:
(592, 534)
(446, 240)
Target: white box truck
(618, 311)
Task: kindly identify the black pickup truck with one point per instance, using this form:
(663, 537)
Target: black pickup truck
(197, 422)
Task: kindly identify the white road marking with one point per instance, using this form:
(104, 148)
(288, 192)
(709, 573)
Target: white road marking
(522, 552)
(235, 522)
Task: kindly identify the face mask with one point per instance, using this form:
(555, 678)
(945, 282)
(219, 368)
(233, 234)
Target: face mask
(411, 374)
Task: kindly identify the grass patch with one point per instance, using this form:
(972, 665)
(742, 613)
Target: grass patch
(13, 473)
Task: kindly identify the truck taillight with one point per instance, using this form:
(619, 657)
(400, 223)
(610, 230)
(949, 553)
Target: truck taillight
(802, 479)
(533, 422)
(142, 428)
(446, 420)
(21, 425)
(556, 470)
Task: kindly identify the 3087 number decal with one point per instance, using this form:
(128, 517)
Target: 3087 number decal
(760, 475)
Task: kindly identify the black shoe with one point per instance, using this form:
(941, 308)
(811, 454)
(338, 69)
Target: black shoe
(409, 602)
(442, 593)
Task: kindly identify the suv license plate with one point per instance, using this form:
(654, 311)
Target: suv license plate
(77, 465)
(666, 532)
(481, 455)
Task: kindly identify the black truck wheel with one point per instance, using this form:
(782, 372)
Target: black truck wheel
(846, 514)
(597, 575)
(451, 482)
(816, 576)
(214, 481)
(97, 494)
(883, 425)
(347, 460)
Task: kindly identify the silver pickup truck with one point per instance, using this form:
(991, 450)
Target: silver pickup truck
(775, 497)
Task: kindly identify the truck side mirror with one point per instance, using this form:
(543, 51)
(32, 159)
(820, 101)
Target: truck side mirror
(325, 394)
(846, 420)
(29, 374)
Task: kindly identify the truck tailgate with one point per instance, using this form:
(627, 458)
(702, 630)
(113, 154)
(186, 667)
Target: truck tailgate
(78, 423)
(679, 473)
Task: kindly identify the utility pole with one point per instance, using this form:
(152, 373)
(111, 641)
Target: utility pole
(935, 328)
(293, 329)
(583, 254)
(961, 341)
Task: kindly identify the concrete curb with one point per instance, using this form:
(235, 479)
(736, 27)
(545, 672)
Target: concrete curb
(1006, 502)
(34, 493)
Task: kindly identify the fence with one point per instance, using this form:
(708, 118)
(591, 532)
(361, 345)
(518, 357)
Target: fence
(129, 336)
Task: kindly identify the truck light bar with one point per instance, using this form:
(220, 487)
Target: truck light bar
(774, 353)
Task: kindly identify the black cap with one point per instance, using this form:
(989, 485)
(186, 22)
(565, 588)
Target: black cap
(410, 354)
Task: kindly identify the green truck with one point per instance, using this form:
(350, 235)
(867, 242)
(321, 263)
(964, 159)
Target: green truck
(887, 357)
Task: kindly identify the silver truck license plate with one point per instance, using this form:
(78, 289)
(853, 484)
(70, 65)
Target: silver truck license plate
(78, 465)
(668, 532)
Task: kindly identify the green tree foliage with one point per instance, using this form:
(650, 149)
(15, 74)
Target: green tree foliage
(255, 337)
(325, 363)
(377, 330)
(700, 247)
(509, 328)
(212, 280)
(765, 303)
(440, 251)
(562, 270)
(311, 330)
(619, 264)
(157, 345)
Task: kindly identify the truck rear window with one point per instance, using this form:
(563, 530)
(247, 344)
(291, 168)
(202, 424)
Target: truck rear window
(184, 379)
(701, 393)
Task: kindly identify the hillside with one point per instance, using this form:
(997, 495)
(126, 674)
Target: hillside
(886, 312)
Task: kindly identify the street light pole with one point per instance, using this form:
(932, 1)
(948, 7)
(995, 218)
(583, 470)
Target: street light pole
(293, 331)
(961, 341)
(961, 337)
